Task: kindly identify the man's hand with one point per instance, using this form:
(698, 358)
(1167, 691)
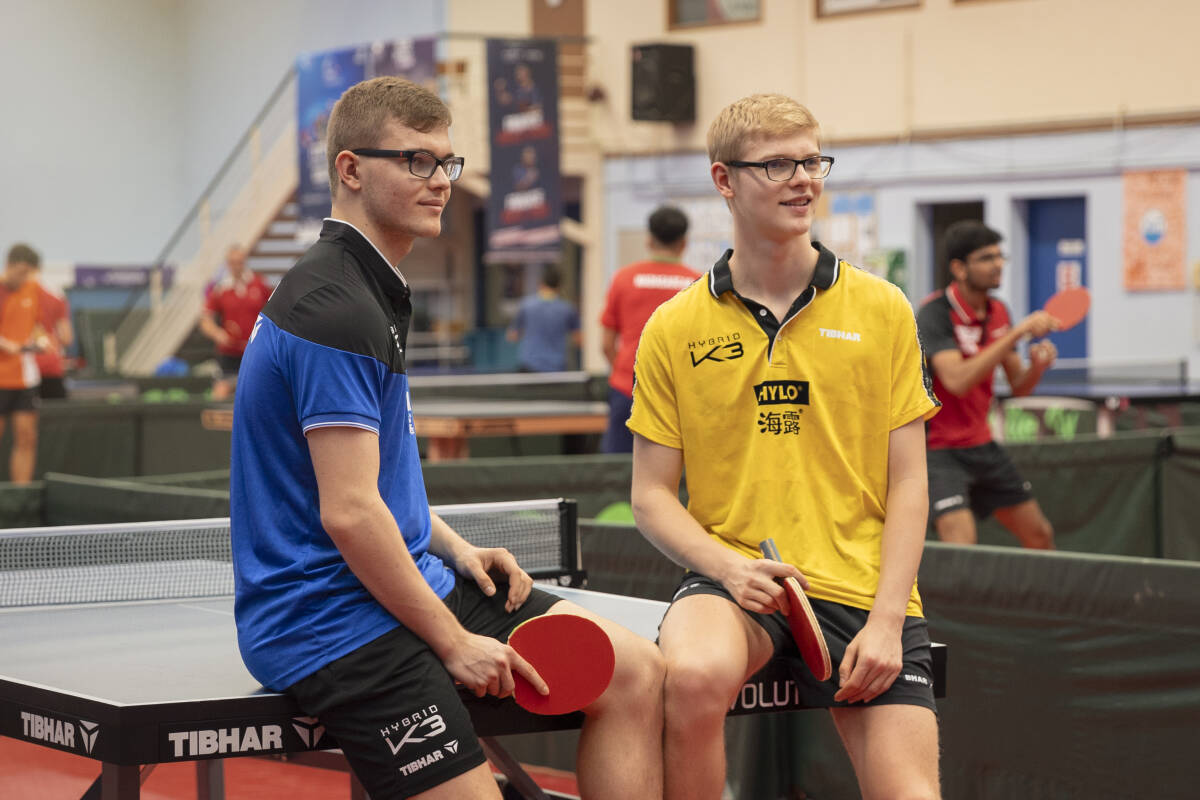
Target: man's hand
(753, 584)
(1042, 355)
(485, 666)
(481, 563)
(873, 659)
(1038, 324)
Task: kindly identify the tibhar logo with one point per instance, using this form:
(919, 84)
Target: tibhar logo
(251, 739)
(421, 763)
(921, 679)
(451, 746)
(59, 731)
(428, 721)
(849, 336)
(309, 729)
(716, 348)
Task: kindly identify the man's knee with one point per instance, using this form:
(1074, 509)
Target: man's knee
(640, 671)
(698, 688)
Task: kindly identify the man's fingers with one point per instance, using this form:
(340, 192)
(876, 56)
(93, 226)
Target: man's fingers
(526, 671)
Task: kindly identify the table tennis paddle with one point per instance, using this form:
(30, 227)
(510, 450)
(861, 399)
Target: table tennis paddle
(803, 622)
(1069, 306)
(573, 655)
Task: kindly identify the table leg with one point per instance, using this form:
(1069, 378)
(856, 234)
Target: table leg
(210, 779)
(518, 778)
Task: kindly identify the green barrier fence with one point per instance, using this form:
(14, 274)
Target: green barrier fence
(74, 500)
(1070, 676)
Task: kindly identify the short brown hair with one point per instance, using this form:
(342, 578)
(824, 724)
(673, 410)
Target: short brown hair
(759, 115)
(24, 254)
(365, 108)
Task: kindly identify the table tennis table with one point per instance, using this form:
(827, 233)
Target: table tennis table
(450, 423)
(136, 683)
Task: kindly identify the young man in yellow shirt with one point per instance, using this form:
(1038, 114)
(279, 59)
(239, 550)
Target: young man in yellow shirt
(791, 387)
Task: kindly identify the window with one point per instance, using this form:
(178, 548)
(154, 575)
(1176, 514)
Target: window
(827, 8)
(713, 12)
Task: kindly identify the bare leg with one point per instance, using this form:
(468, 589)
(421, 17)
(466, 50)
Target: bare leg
(1027, 522)
(894, 749)
(24, 452)
(620, 748)
(476, 783)
(956, 527)
(711, 647)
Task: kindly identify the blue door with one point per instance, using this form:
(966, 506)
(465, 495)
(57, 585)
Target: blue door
(1058, 260)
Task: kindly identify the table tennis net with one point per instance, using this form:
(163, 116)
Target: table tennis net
(193, 558)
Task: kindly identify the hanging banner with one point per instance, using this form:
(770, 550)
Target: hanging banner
(526, 198)
(1155, 233)
(320, 80)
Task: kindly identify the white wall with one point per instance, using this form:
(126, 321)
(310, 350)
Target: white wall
(92, 122)
(118, 113)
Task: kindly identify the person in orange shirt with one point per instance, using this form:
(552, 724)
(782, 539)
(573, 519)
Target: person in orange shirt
(19, 342)
(636, 290)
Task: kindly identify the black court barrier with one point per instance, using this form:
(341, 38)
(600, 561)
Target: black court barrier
(1071, 676)
(1180, 509)
(76, 500)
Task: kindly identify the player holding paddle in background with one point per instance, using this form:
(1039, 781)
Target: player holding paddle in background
(967, 333)
(792, 387)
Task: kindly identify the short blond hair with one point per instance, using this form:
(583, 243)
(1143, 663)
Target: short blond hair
(759, 116)
(359, 116)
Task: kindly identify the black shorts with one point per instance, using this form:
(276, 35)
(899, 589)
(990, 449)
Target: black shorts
(52, 388)
(394, 709)
(840, 624)
(229, 364)
(17, 400)
(982, 478)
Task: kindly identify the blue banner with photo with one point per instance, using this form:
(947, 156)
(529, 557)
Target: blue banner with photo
(321, 78)
(526, 197)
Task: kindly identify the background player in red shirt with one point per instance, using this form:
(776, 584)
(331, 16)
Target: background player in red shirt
(636, 290)
(236, 301)
(19, 341)
(966, 334)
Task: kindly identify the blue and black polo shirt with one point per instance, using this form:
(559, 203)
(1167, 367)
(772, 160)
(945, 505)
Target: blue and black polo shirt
(327, 350)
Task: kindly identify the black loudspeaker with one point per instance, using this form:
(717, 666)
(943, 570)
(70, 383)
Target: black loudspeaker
(664, 84)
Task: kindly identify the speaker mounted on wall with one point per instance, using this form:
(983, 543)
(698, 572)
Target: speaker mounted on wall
(664, 83)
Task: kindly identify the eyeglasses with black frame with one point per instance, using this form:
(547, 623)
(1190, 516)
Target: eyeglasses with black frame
(421, 163)
(782, 169)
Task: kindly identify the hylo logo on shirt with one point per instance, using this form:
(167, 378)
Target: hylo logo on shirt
(781, 393)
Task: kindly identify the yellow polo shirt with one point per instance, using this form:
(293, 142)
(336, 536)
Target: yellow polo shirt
(787, 436)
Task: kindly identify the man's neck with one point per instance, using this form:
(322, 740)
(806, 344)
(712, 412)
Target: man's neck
(393, 249)
(974, 298)
(772, 272)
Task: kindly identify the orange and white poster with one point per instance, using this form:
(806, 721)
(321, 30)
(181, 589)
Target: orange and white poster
(1155, 232)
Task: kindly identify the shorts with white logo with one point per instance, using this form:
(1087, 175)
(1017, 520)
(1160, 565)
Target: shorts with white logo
(393, 707)
(840, 624)
(983, 478)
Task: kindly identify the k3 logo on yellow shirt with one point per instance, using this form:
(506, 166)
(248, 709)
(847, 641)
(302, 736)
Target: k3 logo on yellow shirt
(784, 421)
(716, 349)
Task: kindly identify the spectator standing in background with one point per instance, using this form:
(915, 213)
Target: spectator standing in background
(54, 322)
(543, 325)
(19, 341)
(636, 290)
(230, 310)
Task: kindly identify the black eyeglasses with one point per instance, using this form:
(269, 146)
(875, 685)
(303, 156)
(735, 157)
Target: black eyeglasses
(420, 162)
(782, 169)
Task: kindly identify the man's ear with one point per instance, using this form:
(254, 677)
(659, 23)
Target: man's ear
(958, 269)
(721, 178)
(347, 167)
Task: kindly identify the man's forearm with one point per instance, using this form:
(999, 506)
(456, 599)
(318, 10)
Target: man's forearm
(376, 553)
(667, 524)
